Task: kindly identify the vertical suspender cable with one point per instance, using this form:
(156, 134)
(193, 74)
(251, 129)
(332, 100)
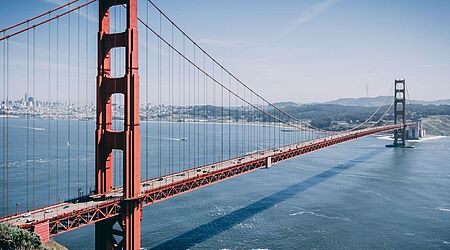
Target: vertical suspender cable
(240, 122)
(3, 133)
(279, 131)
(248, 125)
(205, 133)
(244, 124)
(286, 135)
(252, 125)
(263, 129)
(221, 117)
(169, 101)
(289, 134)
(237, 120)
(195, 116)
(7, 127)
(4, 148)
(87, 102)
(244, 132)
(78, 101)
(34, 115)
(28, 117)
(68, 105)
(258, 127)
(214, 115)
(49, 115)
(58, 107)
(229, 118)
(179, 113)
(184, 105)
(146, 95)
(197, 107)
(255, 126)
(190, 115)
(159, 99)
(273, 128)
(199, 112)
(171, 107)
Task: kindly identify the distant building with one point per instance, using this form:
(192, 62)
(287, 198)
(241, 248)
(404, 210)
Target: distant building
(30, 101)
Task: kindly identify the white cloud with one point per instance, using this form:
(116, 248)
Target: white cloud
(310, 14)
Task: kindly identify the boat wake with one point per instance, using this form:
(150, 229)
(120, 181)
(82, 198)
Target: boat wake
(171, 139)
(31, 128)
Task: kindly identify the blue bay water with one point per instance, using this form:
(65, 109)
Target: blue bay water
(356, 195)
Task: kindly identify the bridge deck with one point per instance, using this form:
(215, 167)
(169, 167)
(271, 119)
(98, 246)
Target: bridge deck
(73, 214)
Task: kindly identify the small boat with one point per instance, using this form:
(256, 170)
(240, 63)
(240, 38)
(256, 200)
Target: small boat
(183, 139)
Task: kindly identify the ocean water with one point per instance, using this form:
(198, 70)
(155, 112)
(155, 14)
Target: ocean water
(356, 195)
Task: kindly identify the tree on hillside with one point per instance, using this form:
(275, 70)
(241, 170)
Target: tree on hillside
(16, 238)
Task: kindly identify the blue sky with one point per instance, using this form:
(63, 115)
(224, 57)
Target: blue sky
(306, 51)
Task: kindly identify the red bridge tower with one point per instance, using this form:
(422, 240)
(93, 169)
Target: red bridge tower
(400, 113)
(128, 140)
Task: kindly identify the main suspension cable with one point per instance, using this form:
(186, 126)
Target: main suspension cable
(228, 72)
(47, 20)
(209, 76)
(38, 16)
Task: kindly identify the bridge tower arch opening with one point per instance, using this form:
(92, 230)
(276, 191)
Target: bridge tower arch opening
(127, 226)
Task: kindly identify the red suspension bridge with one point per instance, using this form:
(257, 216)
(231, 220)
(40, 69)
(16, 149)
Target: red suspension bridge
(204, 124)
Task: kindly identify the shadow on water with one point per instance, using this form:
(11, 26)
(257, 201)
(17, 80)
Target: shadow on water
(224, 223)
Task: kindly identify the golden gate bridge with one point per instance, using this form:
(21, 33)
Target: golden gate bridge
(189, 139)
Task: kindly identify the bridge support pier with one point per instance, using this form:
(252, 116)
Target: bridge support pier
(41, 229)
(104, 238)
(127, 140)
(269, 162)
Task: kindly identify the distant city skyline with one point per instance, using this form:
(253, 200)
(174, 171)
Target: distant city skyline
(300, 51)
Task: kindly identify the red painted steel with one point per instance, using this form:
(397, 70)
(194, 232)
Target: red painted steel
(111, 209)
(103, 153)
(400, 113)
(131, 209)
(128, 140)
(104, 145)
(42, 230)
